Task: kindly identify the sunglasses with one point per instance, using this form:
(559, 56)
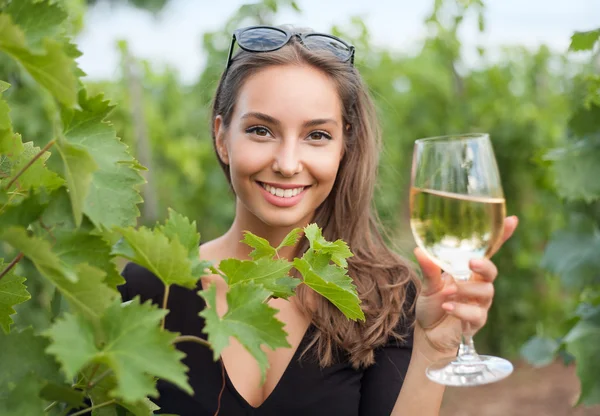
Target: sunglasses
(269, 38)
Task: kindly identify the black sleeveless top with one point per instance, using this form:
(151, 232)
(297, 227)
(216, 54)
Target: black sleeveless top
(304, 388)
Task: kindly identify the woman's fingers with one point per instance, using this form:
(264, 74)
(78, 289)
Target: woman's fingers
(510, 225)
(481, 293)
(484, 269)
(432, 274)
(475, 315)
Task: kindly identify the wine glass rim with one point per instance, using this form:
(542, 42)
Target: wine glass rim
(453, 137)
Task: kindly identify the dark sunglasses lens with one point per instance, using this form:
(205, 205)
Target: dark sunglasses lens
(320, 42)
(262, 39)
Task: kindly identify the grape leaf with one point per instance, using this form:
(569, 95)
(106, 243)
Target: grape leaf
(262, 248)
(53, 68)
(82, 285)
(82, 247)
(79, 167)
(167, 259)
(61, 393)
(179, 227)
(12, 292)
(37, 19)
(573, 167)
(582, 342)
(573, 255)
(101, 394)
(331, 282)
(37, 175)
(583, 41)
(132, 345)
(23, 399)
(338, 250)
(25, 212)
(291, 239)
(540, 351)
(39, 252)
(113, 192)
(272, 275)
(25, 370)
(251, 321)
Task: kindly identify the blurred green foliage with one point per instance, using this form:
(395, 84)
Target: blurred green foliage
(541, 109)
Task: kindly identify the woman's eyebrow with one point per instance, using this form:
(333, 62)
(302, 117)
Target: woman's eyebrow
(269, 119)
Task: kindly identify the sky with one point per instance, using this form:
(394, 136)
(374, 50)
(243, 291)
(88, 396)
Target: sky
(174, 37)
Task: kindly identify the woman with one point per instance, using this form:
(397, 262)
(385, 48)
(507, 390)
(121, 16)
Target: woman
(295, 132)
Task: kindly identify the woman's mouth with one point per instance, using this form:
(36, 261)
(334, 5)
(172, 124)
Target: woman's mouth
(282, 197)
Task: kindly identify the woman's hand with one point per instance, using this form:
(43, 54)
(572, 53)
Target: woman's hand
(443, 303)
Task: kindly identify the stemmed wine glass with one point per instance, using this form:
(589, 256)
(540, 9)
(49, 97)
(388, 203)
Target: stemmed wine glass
(457, 214)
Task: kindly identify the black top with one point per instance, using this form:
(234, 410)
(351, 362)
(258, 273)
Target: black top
(304, 388)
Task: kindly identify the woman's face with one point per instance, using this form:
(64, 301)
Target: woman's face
(284, 143)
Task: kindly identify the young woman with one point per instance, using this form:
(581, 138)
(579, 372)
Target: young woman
(296, 134)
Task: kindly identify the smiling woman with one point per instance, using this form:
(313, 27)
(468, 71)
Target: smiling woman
(296, 135)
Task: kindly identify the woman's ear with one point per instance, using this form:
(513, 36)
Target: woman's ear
(219, 129)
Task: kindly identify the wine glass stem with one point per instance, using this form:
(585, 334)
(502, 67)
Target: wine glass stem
(467, 352)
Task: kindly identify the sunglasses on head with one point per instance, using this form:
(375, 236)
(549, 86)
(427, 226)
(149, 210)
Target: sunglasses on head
(269, 38)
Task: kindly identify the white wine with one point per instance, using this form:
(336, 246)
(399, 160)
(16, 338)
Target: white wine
(453, 228)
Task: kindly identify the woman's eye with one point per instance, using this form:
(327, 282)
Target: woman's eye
(258, 131)
(319, 135)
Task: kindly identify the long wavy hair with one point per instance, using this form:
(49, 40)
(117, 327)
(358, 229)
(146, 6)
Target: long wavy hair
(386, 283)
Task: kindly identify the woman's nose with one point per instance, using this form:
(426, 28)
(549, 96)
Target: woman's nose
(287, 159)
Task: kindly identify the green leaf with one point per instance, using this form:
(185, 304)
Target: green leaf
(540, 351)
(291, 239)
(22, 399)
(114, 189)
(179, 227)
(331, 282)
(39, 252)
(79, 167)
(583, 41)
(25, 370)
(62, 393)
(167, 259)
(582, 342)
(573, 255)
(132, 345)
(573, 167)
(23, 353)
(53, 68)
(27, 211)
(272, 275)
(262, 248)
(101, 394)
(251, 321)
(38, 20)
(37, 175)
(82, 247)
(82, 285)
(12, 292)
(338, 250)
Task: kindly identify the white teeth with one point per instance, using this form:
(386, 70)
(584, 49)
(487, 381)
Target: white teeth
(282, 193)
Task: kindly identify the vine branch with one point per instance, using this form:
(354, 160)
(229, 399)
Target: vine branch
(192, 338)
(11, 265)
(97, 406)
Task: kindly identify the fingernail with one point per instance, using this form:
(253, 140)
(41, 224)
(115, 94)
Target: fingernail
(448, 306)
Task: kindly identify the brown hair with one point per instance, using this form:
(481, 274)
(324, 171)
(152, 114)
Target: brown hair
(386, 283)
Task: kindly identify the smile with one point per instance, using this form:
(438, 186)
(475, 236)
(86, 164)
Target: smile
(282, 193)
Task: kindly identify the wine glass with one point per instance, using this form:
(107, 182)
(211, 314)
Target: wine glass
(457, 214)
